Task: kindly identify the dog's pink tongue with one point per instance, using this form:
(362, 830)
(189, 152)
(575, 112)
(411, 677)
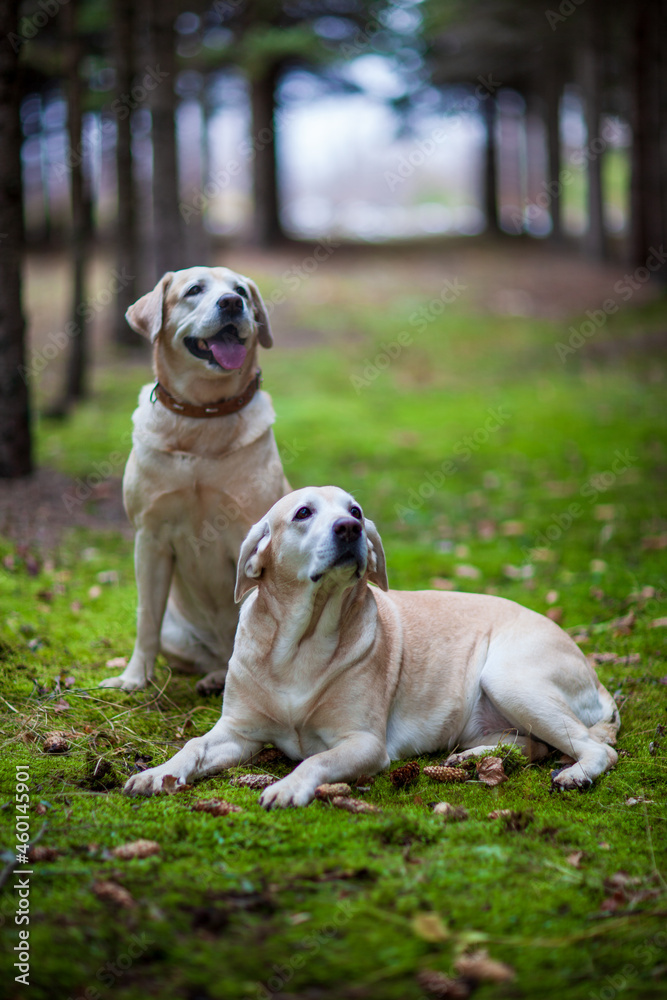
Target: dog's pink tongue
(228, 355)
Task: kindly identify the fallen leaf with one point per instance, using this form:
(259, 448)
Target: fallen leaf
(479, 967)
(630, 801)
(552, 596)
(659, 623)
(555, 614)
(440, 583)
(499, 813)
(512, 528)
(615, 658)
(430, 927)
(95, 592)
(604, 512)
(574, 859)
(60, 706)
(654, 542)
(490, 771)
(136, 849)
(111, 892)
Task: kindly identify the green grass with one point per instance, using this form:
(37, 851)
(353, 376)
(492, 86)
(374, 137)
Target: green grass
(320, 903)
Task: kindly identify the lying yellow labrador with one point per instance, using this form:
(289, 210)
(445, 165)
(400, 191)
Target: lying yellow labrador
(347, 677)
(204, 467)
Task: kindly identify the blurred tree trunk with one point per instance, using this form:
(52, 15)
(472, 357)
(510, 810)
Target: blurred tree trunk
(168, 243)
(127, 236)
(15, 443)
(81, 223)
(491, 166)
(267, 228)
(647, 184)
(553, 91)
(591, 82)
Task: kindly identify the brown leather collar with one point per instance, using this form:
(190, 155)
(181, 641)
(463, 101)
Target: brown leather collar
(220, 409)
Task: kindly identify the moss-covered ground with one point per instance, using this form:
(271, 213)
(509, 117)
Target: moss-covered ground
(486, 461)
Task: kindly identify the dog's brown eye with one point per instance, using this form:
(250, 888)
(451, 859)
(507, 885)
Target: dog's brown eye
(356, 512)
(302, 513)
(240, 290)
(194, 290)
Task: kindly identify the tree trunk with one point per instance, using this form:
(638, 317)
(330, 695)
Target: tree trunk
(491, 167)
(169, 251)
(591, 80)
(267, 228)
(127, 237)
(553, 92)
(77, 360)
(15, 443)
(647, 192)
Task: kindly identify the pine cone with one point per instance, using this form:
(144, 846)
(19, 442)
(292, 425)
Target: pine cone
(405, 775)
(55, 742)
(442, 773)
(216, 807)
(111, 892)
(270, 755)
(353, 805)
(325, 792)
(254, 780)
(136, 849)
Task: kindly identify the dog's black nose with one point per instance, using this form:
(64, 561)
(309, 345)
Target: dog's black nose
(348, 529)
(230, 302)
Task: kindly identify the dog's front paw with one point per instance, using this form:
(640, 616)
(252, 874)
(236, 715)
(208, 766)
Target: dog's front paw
(287, 793)
(567, 779)
(152, 782)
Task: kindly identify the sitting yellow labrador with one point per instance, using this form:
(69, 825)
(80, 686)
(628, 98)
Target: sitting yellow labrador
(204, 467)
(347, 677)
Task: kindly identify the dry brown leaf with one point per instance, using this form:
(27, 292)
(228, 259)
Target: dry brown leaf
(654, 542)
(60, 706)
(490, 771)
(328, 791)
(443, 987)
(440, 583)
(632, 801)
(499, 813)
(136, 849)
(467, 572)
(216, 807)
(430, 927)
(170, 785)
(111, 892)
(555, 614)
(659, 623)
(574, 859)
(478, 966)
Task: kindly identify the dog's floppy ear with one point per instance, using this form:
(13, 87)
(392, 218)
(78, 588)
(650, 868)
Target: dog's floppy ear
(261, 315)
(145, 316)
(377, 565)
(251, 558)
